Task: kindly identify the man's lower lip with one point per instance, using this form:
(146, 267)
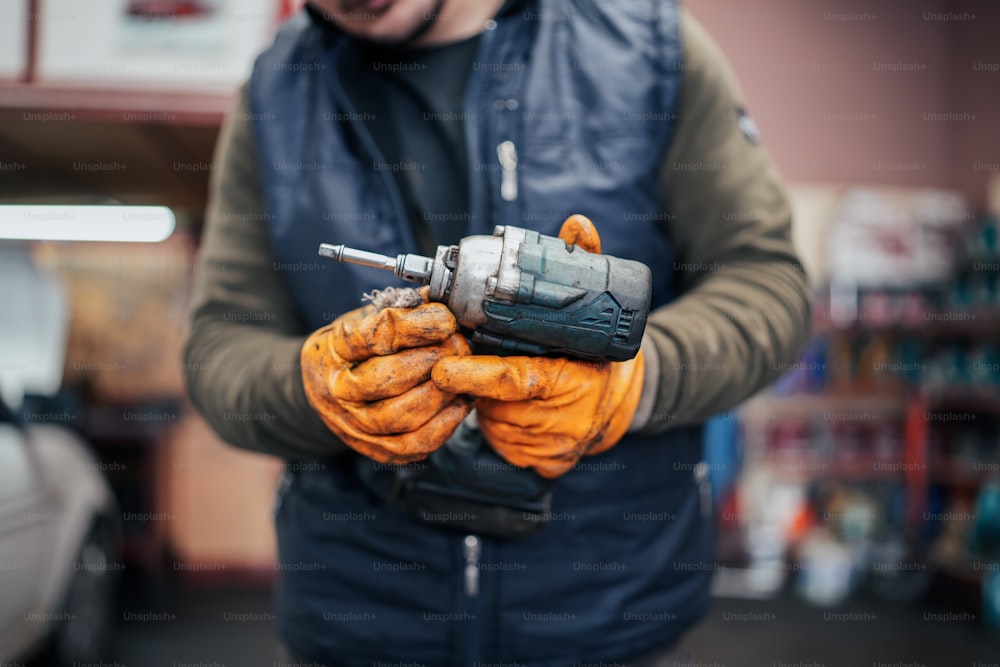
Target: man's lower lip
(375, 6)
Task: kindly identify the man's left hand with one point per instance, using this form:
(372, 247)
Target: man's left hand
(545, 413)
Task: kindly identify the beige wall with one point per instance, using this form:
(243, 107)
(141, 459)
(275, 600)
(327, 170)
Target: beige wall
(219, 500)
(976, 89)
(815, 79)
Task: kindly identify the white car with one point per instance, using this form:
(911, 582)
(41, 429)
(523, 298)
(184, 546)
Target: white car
(59, 529)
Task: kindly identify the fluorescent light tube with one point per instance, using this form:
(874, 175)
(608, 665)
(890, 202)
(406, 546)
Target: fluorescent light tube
(129, 224)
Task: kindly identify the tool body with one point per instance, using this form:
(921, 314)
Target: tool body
(522, 292)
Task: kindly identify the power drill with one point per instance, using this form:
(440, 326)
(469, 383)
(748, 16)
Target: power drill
(515, 292)
(522, 292)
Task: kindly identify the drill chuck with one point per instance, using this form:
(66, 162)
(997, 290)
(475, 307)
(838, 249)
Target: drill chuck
(415, 268)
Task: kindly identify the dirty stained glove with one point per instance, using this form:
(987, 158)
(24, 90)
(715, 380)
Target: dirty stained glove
(547, 412)
(367, 374)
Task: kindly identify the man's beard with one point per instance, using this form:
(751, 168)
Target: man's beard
(430, 18)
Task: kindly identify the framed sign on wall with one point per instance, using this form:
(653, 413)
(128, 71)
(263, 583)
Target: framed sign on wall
(153, 44)
(13, 39)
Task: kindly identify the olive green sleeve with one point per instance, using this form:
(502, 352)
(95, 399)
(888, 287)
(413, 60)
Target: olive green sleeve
(743, 310)
(241, 357)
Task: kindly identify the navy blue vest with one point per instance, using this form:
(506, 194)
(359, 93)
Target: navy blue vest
(586, 92)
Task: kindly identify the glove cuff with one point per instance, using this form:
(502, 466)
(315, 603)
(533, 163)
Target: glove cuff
(650, 384)
(624, 405)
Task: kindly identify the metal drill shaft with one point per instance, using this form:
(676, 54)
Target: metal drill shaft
(342, 253)
(415, 268)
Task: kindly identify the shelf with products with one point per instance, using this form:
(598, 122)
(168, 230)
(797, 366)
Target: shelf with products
(922, 409)
(863, 405)
(884, 436)
(863, 440)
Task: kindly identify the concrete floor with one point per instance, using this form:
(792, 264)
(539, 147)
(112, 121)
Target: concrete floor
(233, 627)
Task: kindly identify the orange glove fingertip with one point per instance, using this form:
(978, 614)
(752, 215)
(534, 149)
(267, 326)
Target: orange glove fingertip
(580, 231)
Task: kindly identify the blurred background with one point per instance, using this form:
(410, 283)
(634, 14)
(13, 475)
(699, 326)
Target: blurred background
(858, 500)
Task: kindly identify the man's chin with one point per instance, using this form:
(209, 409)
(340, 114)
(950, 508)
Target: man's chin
(391, 31)
(397, 39)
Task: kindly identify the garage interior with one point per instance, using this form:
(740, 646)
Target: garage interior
(857, 500)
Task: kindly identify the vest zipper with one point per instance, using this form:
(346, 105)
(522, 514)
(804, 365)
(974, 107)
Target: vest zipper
(470, 604)
(507, 154)
(472, 549)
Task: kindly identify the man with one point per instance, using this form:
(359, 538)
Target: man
(398, 125)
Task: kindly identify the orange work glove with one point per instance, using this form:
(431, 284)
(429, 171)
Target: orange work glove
(544, 412)
(367, 374)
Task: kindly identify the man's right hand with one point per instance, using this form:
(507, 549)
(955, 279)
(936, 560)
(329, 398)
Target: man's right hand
(367, 374)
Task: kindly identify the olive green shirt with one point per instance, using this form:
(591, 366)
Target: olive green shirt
(740, 318)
